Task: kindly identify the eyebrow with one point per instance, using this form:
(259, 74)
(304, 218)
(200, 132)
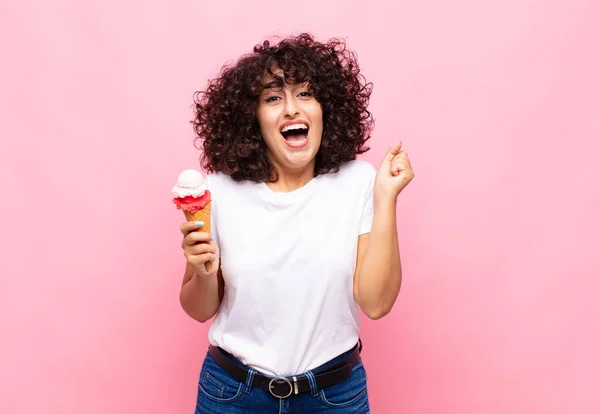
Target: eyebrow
(273, 84)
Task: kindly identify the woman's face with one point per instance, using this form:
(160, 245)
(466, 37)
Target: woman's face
(291, 123)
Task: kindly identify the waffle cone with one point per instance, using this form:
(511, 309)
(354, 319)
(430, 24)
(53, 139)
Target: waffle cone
(201, 215)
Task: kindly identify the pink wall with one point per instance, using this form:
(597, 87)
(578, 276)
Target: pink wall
(497, 103)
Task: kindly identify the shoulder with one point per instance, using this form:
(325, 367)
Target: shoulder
(221, 183)
(357, 170)
(216, 178)
(354, 177)
(218, 182)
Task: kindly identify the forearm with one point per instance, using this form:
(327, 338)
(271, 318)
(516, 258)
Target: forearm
(380, 275)
(200, 297)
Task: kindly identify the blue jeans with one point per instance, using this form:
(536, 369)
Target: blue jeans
(218, 392)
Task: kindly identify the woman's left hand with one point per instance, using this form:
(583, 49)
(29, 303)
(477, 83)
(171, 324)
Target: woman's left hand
(395, 172)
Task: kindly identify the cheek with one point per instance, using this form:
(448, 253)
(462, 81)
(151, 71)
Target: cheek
(266, 121)
(318, 122)
(316, 115)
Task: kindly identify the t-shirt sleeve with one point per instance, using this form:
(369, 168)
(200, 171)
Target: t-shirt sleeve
(367, 208)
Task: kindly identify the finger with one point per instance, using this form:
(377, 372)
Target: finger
(399, 160)
(397, 167)
(196, 237)
(400, 165)
(402, 169)
(200, 248)
(393, 151)
(190, 226)
(214, 244)
(401, 154)
(202, 258)
(402, 157)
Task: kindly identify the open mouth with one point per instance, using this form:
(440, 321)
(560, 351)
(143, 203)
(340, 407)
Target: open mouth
(295, 135)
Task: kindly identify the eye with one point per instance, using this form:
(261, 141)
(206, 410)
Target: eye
(305, 94)
(271, 98)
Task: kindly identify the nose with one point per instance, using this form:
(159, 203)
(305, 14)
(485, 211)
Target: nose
(291, 108)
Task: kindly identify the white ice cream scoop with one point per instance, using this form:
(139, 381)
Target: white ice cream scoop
(189, 183)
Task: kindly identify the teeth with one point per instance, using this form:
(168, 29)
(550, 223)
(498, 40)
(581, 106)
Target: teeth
(295, 126)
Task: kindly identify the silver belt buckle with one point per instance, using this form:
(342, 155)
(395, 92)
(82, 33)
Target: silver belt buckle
(280, 380)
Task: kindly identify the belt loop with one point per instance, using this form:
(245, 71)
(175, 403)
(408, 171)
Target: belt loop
(313, 383)
(249, 379)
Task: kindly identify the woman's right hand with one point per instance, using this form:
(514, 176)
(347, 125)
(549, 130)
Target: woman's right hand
(199, 249)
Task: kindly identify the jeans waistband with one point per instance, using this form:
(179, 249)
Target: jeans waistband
(314, 370)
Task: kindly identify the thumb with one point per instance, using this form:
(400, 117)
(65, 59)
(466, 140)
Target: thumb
(392, 152)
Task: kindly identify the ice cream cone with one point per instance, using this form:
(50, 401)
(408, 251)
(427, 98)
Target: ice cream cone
(204, 216)
(200, 215)
(192, 196)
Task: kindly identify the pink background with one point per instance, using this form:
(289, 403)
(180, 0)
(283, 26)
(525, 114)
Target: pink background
(497, 103)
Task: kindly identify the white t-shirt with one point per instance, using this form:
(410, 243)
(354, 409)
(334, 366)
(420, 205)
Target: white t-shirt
(288, 262)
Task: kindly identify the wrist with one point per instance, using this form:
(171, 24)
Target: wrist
(385, 201)
(202, 276)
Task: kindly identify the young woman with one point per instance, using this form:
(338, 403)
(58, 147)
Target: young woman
(303, 234)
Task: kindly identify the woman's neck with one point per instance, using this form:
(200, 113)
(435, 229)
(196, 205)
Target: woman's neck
(288, 181)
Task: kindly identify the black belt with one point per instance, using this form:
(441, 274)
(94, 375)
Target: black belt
(283, 387)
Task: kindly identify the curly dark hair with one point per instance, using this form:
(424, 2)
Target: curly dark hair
(225, 119)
